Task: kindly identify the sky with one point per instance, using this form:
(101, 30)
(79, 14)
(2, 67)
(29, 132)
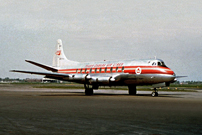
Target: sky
(94, 30)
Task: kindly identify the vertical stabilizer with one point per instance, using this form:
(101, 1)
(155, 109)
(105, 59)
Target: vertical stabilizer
(59, 58)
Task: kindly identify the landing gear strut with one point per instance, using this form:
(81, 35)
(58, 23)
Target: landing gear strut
(155, 93)
(132, 90)
(88, 90)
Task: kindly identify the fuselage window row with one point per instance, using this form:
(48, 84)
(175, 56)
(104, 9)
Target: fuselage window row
(99, 70)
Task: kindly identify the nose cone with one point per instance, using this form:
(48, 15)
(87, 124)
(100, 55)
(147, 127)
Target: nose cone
(170, 72)
(171, 75)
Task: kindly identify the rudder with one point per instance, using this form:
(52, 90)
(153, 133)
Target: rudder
(59, 58)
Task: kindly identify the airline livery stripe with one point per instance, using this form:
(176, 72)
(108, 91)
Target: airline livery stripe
(127, 69)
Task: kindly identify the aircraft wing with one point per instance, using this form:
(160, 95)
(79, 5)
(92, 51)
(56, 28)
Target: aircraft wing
(180, 76)
(80, 78)
(47, 74)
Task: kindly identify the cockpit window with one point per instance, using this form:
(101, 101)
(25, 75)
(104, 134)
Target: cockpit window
(154, 64)
(162, 64)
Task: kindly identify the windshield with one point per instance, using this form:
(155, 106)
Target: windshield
(161, 63)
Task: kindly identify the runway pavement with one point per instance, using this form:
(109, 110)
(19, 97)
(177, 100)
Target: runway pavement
(27, 110)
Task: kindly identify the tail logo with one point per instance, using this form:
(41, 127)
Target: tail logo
(58, 52)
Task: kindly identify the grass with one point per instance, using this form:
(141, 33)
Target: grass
(187, 85)
(172, 88)
(139, 88)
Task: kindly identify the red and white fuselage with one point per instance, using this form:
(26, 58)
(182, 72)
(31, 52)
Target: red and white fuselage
(112, 73)
(137, 72)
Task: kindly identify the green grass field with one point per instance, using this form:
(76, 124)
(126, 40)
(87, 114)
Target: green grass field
(173, 87)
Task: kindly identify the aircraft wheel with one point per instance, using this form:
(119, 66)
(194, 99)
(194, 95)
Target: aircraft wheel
(89, 91)
(155, 94)
(132, 90)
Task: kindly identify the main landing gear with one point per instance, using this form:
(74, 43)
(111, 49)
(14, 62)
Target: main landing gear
(132, 90)
(88, 90)
(155, 93)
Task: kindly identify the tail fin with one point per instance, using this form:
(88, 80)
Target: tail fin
(59, 58)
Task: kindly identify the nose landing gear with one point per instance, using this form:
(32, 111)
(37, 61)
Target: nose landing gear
(155, 93)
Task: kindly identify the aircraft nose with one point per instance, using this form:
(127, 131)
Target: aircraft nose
(174, 79)
(169, 71)
(172, 76)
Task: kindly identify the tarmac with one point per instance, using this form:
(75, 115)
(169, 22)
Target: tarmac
(26, 110)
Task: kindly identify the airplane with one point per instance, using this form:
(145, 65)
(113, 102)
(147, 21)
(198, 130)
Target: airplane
(129, 73)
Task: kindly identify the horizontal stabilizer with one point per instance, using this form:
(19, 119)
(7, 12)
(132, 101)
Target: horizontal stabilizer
(43, 66)
(48, 75)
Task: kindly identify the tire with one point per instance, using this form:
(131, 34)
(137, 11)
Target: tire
(88, 91)
(154, 94)
(132, 90)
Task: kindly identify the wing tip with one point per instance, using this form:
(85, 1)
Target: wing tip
(181, 76)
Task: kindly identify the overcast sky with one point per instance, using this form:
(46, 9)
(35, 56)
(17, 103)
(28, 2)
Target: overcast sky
(95, 30)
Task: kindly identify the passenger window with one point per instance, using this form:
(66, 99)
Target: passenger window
(105, 69)
(81, 71)
(122, 69)
(111, 69)
(90, 70)
(95, 70)
(100, 70)
(76, 70)
(85, 70)
(117, 69)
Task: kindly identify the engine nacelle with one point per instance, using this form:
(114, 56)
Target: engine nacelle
(101, 80)
(77, 77)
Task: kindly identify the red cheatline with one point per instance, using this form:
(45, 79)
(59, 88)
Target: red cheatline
(58, 52)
